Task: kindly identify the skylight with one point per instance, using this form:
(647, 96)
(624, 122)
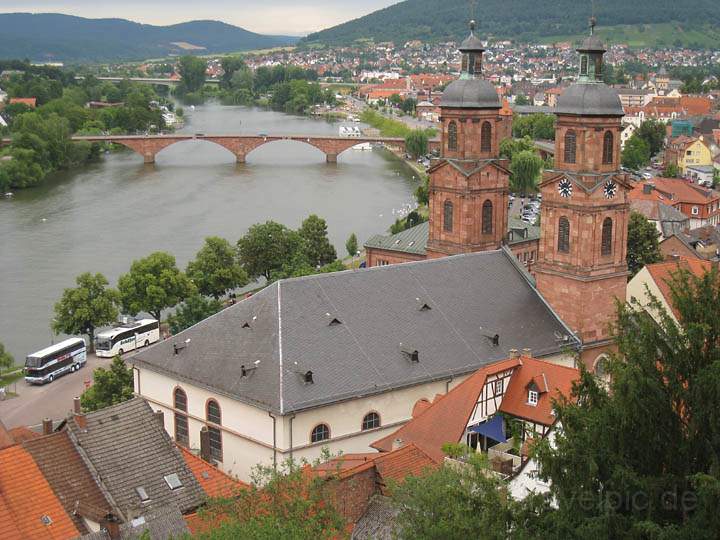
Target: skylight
(173, 481)
(144, 497)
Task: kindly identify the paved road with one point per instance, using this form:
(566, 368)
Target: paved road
(52, 400)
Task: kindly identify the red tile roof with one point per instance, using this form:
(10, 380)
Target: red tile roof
(445, 421)
(30, 102)
(214, 482)
(6, 438)
(661, 274)
(26, 497)
(22, 434)
(403, 462)
(551, 380)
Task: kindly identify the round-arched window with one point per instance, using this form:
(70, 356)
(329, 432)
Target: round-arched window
(371, 421)
(321, 432)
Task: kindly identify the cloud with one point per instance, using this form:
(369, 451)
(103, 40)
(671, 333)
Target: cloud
(265, 16)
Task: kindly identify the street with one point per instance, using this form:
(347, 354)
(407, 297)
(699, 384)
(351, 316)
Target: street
(53, 400)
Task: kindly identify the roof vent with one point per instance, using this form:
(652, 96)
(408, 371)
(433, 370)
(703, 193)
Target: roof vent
(334, 322)
(494, 339)
(246, 325)
(648, 188)
(138, 521)
(412, 354)
(422, 304)
(177, 347)
(173, 481)
(424, 307)
(247, 371)
(308, 377)
(46, 520)
(144, 497)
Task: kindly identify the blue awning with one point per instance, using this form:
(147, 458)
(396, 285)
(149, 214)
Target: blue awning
(493, 429)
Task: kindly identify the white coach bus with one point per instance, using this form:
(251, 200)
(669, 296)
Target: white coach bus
(127, 337)
(50, 363)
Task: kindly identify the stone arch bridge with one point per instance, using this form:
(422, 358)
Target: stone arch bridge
(148, 146)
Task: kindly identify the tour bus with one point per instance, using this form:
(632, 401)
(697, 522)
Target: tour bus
(50, 363)
(127, 337)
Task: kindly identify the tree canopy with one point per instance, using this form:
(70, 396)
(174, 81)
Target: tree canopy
(266, 247)
(416, 143)
(316, 244)
(86, 307)
(216, 269)
(110, 386)
(643, 247)
(351, 245)
(653, 133)
(194, 309)
(525, 167)
(636, 153)
(153, 284)
(192, 70)
(6, 359)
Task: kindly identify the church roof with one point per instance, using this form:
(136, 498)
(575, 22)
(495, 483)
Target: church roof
(412, 240)
(592, 44)
(352, 329)
(470, 94)
(590, 99)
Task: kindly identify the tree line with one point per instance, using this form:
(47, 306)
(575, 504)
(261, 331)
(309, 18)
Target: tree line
(268, 251)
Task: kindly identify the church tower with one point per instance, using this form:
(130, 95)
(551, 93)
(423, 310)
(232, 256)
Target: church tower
(469, 184)
(581, 268)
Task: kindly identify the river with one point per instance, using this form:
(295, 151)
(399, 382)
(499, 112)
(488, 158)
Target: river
(103, 216)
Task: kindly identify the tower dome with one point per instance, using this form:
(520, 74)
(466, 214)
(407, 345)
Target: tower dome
(471, 91)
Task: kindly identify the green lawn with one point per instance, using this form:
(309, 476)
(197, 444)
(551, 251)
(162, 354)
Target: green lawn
(650, 35)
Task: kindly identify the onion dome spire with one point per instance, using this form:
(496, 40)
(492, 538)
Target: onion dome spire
(472, 50)
(591, 52)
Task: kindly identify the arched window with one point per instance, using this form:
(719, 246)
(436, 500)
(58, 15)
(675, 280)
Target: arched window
(371, 421)
(182, 433)
(608, 150)
(606, 243)
(564, 235)
(213, 415)
(584, 65)
(448, 216)
(570, 146)
(321, 432)
(486, 137)
(487, 217)
(452, 135)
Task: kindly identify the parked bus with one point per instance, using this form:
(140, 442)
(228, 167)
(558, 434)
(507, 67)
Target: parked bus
(127, 337)
(50, 363)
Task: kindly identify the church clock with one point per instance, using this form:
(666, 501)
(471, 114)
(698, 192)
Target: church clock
(610, 189)
(565, 188)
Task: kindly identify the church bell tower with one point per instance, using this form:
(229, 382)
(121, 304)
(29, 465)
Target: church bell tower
(469, 184)
(581, 269)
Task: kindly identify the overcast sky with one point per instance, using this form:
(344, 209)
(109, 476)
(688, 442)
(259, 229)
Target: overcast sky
(293, 17)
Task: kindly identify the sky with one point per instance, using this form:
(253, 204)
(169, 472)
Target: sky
(288, 17)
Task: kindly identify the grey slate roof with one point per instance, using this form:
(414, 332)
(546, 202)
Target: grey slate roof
(285, 330)
(412, 240)
(163, 524)
(592, 44)
(470, 94)
(378, 521)
(521, 231)
(125, 447)
(590, 99)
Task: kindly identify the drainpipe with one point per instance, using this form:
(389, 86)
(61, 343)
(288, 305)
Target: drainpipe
(447, 384)
(137, 371)
(292, 417)
(274, 419)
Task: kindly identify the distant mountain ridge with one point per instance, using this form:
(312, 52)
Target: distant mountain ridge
(52, 37)
(530, 20)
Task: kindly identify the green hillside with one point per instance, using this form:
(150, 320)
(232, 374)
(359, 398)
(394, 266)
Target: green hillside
(688, 22)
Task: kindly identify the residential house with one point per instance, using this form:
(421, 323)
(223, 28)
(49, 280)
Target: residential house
(687, 152)
(654, 279)
(338, 360)
(657, 209)
(628, 131)
(29, 101)
(699, 204)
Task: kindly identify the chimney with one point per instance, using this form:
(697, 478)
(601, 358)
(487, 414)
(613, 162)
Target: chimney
(47, 426)
(527, 353)
(397, 443)
(205, 444)
(112, 526)
(160, 416)
(80, 419)
(514, 353)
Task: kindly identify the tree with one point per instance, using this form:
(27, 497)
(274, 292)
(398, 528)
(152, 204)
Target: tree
(153, 284)
(653, 133)
(194, 309)
(86, 307)
(643, 247)
(525, 167)
(522, 100)
(671, 171)
(215, 269)
(6, 359)
(316, 245)
(351, 245)
(416, 143)
(509, 147)
(266, 247)
(636, 153)
(192, 71)
(110, 386)
(644, 447)
(288, 503)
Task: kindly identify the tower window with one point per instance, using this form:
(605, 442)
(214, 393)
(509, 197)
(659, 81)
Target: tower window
(584, 65)
(486, 137)
(182, 433)
(606, 244)
(448, 216)
(452, 135)
(321, 432)
(570, 146)
(487, 217)
(608, 150)
(564, 235)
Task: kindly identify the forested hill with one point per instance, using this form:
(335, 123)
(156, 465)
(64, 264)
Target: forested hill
(529, 20)
(62, 38)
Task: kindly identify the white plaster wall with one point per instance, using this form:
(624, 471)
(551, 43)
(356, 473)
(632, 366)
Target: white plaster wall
(636, 289)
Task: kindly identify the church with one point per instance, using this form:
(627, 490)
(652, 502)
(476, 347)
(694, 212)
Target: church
(342, 360)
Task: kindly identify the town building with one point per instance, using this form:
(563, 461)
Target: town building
(701, 205)
(687, 152)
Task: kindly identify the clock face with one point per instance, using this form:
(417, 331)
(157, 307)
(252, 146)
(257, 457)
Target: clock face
(565, 188)
(610, 189)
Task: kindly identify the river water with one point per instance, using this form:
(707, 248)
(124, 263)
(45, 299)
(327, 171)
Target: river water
(103, 216)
